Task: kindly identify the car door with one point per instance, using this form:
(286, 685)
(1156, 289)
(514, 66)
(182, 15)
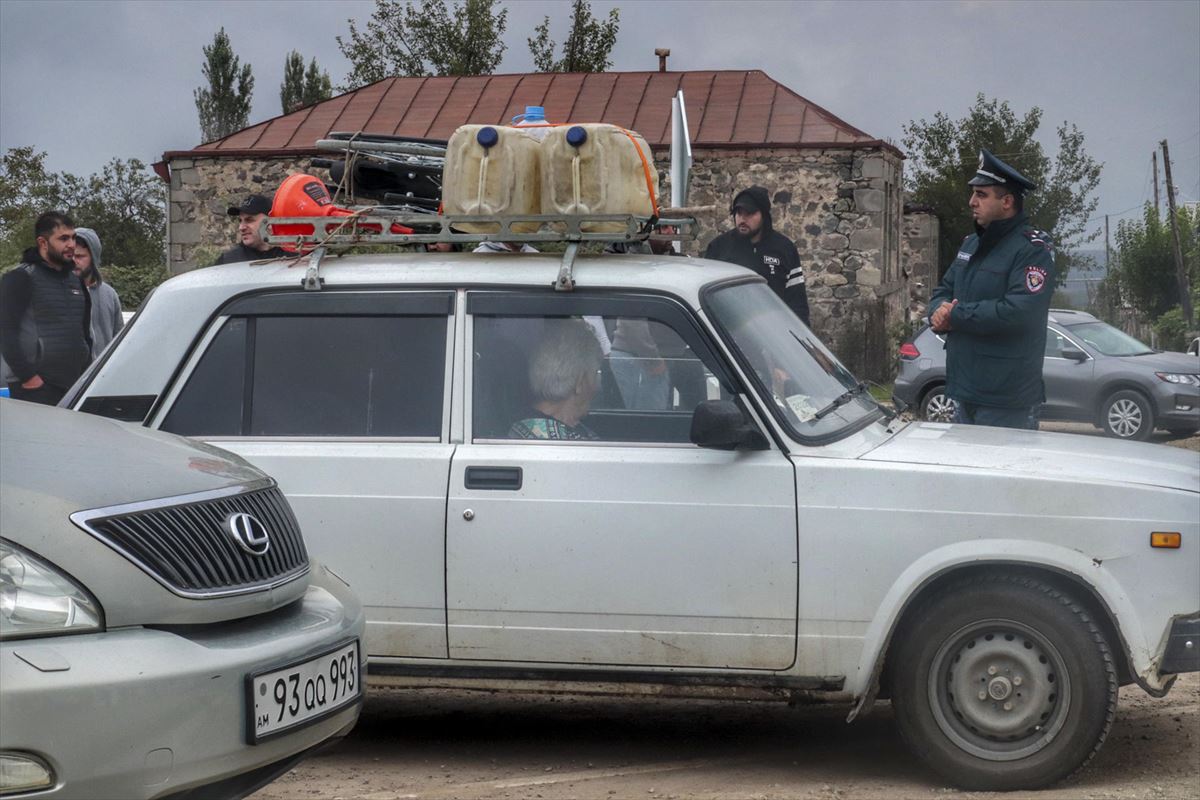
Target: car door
(1068, 381)
(632, 548)
(343, 398)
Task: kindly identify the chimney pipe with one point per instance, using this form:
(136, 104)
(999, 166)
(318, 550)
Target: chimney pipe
(662, 54)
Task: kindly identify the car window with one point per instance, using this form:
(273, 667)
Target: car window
(1055, 342)
(588, 377)
(813, 393)
(378, 376)
(1108, 340)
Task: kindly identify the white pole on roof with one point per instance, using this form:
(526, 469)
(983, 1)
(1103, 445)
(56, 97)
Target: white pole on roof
(681, 155)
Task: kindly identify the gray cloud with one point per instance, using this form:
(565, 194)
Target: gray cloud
(88, 81)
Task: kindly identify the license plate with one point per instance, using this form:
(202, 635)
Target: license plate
(287, 698)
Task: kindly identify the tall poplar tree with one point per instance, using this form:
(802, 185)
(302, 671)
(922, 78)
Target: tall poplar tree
(588, 45)
(224, 104)
(302, 87)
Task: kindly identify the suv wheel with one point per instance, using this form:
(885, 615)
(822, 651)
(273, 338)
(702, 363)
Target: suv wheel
(1003, 682)
(1127, 415)
(937, 407)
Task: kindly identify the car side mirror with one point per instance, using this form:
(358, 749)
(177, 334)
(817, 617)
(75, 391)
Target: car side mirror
(1074, 353)
(721, 425)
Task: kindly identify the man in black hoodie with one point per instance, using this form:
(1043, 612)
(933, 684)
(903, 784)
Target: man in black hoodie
(45, 316)
(754, 243)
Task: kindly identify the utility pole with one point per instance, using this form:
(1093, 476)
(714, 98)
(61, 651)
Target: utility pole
(1185, 294)
(1107, 249)
(1154, 159)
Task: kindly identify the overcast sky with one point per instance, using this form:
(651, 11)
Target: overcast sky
(89, 81)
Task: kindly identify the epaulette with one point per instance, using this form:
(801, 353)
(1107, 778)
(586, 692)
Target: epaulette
(1039, 238)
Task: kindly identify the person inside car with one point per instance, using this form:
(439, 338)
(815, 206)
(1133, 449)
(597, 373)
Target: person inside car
(564, 375)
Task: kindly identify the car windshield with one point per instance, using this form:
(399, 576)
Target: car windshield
(1107, 340)
(813, 393)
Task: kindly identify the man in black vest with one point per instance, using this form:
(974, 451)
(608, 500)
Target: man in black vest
(45, 316)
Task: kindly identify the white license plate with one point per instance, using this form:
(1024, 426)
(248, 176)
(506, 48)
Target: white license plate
(302, 693)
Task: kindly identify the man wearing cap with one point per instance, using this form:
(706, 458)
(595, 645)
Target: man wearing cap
(993, 303)
(754, 243)
(250, 214)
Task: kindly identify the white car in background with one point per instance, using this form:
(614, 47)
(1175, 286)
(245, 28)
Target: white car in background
(760, 522)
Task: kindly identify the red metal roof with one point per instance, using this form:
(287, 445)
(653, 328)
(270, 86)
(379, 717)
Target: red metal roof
(726, 108)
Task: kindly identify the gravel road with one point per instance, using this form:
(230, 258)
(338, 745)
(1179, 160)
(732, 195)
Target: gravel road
(441, 744)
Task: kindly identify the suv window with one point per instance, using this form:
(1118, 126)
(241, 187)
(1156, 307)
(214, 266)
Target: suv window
(379, 376)
(1055, 342)
(634, 378)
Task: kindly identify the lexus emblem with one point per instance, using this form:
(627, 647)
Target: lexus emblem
(248, 533)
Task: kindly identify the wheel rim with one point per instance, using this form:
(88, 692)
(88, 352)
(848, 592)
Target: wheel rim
(1125, 418)
(999, 690)
(940, 408)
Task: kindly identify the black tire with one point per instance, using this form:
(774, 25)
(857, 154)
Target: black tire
(1046, 673)
(1183, 432)
(936, 406)
(1127, 415)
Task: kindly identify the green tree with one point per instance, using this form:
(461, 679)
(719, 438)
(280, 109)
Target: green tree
(224, 103)
(588, 45)
(404, 37)
(1146, 262)
(302, 87)
(943, 154)
(124, 203)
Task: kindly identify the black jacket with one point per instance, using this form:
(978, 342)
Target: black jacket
(1003, 278)
(45, 323)
(774, 256)
(240, 252)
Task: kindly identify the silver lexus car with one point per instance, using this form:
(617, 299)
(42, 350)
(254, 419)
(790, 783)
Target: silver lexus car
(1093, 373)
(163, 633)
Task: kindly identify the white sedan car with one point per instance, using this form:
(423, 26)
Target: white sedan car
(693, 492)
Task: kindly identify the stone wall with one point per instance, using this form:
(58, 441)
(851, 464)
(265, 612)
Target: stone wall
(919, 255)
(202, 190)
(842, 208)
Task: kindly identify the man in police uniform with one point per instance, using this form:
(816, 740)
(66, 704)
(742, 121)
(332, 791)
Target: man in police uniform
(993, 303)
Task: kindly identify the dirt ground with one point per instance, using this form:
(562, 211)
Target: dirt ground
(1158, 437)
(442, 744)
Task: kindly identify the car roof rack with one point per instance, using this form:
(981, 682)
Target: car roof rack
(380, 227)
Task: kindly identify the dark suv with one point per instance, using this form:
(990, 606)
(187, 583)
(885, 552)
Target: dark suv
(1094, 373)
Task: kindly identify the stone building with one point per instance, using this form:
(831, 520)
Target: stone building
(836, 190)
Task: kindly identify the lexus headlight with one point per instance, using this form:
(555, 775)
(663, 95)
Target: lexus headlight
(1179, 377)
(37, 599)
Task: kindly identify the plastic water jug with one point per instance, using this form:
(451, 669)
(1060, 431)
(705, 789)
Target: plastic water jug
(533, 121)
(493, 170)
(597, 168)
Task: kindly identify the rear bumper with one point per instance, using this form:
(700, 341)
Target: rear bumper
(1182, 653)
(148, 713)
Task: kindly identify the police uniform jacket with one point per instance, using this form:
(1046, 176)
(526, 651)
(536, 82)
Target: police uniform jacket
(1003, 278)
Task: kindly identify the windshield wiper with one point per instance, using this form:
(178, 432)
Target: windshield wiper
(841, 399)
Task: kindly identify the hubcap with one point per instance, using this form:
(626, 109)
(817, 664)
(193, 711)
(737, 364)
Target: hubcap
(998, 690)
(1124, 418)
(940, 408)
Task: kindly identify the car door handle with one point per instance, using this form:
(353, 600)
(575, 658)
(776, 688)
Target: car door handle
(507, 478)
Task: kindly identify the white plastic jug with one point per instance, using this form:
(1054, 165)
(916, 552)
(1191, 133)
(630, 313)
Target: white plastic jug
(493, 170)
(597, 168)
(533, 121)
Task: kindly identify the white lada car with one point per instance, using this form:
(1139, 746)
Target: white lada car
(694, 494)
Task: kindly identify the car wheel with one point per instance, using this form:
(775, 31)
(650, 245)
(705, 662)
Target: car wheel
(1003, 682)
(937, 407)
(1127, 415)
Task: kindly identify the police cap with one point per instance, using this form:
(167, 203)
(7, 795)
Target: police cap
(994, 172)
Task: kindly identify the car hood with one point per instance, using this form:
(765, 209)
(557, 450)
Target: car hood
(87, 461)
(1163, 362)
(1035, 454)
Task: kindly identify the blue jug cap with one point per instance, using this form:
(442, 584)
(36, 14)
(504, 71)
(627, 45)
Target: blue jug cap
(532, 114)
(576, 136)
(487, 137)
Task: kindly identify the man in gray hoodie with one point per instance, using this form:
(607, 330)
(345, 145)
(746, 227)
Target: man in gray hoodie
(106, 304)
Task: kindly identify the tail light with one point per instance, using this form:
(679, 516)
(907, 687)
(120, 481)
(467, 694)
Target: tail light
(909, 350)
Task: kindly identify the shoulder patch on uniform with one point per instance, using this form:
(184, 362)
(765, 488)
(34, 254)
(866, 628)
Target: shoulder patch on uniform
(1035, 278)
